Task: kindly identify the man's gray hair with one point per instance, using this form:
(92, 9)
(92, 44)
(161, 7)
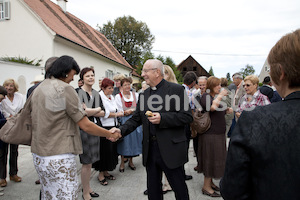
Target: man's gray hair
(237, 75)
(201, 77)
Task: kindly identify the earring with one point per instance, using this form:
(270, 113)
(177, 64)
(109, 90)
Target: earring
(67, 76)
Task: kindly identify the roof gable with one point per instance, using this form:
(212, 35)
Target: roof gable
(190, 64)
(72, 28)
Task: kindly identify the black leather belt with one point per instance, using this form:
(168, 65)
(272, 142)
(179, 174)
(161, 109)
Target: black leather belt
(153, 138)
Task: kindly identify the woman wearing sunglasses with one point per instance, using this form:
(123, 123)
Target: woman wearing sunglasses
(253, 97)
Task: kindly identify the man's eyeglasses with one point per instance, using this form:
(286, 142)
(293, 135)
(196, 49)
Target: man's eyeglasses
(246, 85)
(147, 70)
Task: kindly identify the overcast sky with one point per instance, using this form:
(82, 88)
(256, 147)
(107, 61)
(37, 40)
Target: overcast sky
(224, 34)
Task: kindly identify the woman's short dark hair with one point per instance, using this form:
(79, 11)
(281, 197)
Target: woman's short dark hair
(84, 71)
(107, 82)
(189, 78)
(124, 80)
(3, 91)
(62, 66)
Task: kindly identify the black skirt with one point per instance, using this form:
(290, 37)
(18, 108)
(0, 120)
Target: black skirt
(108, 155)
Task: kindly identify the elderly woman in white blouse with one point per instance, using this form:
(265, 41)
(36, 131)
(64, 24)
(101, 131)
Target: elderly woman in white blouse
(108, 150)
(11, 105)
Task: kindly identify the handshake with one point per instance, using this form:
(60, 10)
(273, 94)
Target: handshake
(115, 134)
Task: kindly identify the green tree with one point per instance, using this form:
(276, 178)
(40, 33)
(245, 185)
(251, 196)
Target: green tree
(211, 71)
(145, 56)
(228, 77)
(130, 37)
(248, 70)
(161, 58)
(169, 61)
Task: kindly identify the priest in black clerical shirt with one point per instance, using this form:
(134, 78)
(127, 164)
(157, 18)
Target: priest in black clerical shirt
(164, 139)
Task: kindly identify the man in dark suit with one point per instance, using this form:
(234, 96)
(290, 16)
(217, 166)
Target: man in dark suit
(164, 140)
(267, 90)
(263, 159)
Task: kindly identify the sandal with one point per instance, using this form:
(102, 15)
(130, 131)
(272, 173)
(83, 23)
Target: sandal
(215, 188)
(110, 177)
(131, 167)
(103, 182)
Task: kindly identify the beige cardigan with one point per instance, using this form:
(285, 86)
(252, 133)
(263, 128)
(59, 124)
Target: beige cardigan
(55, 113)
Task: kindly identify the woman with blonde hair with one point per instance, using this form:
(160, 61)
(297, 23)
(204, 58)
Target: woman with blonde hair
(253, 96)
(169, 74)
(11, 105)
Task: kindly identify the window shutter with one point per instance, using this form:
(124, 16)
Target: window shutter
(6, 9)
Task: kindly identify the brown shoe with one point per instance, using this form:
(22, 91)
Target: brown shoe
(37, 182)
(3, 183)
(15, 178)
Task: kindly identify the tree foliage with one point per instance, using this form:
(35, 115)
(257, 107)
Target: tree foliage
(169, 61)
(145, 56)
(228, 77)
(211, 71)
(166, 61)
(248, 70)
(22, 60)
(130, 37)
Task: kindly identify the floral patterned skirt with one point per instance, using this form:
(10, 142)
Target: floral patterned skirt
(58, 176)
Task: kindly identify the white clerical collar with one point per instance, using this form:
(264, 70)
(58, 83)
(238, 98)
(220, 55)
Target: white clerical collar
(153, 88)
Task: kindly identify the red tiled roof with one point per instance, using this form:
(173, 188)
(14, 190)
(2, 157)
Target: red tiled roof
(72, 28)
(134, 73)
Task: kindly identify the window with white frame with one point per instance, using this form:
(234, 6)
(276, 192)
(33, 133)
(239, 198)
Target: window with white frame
(4, 9)
(109, 74)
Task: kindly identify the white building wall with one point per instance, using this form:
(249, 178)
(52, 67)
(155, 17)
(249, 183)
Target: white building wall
(86, 58)
(25, 35)
(265, 71)
(23, 74)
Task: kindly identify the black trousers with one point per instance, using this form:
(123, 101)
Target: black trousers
(154, 167)
(13, 160)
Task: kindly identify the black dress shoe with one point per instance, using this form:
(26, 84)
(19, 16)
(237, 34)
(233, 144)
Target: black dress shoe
(146, 192)
(188, 177)
(164, 192)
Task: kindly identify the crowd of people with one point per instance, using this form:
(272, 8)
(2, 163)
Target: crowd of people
(101, 126)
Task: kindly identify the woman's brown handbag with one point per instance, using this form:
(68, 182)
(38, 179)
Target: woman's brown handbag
(201, 121)
(18, 128)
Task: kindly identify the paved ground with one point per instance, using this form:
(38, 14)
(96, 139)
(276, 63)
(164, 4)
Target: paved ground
(128, 185)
